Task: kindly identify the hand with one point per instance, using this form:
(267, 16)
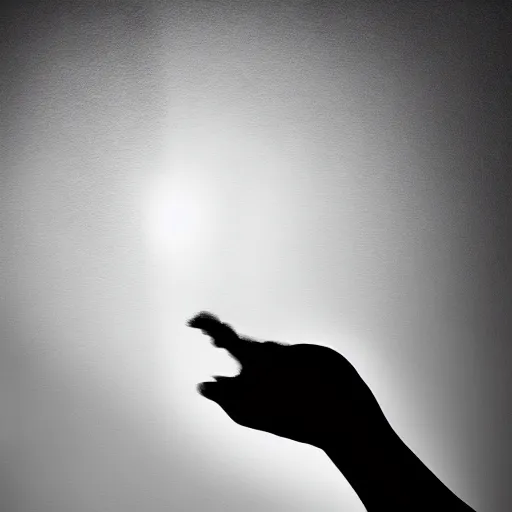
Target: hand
(308, 393)
(313, 395)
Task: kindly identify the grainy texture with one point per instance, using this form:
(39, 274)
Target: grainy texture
(340, 172)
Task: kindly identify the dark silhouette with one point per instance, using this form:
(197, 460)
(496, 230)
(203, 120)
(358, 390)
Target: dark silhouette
(312, 394)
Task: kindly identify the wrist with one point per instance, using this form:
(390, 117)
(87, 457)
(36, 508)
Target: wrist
(376, 468)
(387, 475)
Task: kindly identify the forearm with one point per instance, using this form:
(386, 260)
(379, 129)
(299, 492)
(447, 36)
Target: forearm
(387, 475)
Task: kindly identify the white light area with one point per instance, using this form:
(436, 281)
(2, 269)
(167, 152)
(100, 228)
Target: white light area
(179, 216)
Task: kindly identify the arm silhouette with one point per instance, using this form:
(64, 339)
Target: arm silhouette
(312, 394)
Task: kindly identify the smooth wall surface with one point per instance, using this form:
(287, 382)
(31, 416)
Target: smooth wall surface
(327, 172)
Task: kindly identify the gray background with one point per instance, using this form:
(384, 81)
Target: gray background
(325, 172)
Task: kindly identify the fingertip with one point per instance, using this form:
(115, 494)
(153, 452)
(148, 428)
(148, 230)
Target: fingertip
(203, 318)
(202, 388)
(208, 390)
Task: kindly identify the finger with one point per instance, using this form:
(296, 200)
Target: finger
(222, 334)
(229, 404)
(223, 392)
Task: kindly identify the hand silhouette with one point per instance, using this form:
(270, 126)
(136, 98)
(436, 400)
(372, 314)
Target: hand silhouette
(308, 393)
(312, 394)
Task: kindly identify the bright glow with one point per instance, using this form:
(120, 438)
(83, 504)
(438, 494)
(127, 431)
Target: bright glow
(179, 215)
(182, 217)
